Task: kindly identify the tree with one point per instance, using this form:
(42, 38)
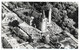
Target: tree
(14, 23)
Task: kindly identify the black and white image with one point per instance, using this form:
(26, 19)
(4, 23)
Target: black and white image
(39, 25)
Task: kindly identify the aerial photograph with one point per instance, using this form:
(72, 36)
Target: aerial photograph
(39, 25)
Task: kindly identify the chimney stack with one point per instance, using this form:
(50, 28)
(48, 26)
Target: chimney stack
(50, 11)
(44, 23)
